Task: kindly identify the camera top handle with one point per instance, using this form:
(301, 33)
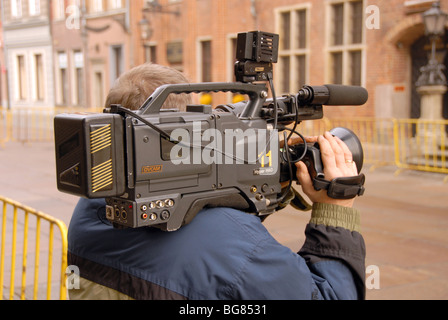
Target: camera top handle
(257, 94)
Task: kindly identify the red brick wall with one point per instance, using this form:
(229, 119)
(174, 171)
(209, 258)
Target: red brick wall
(387, 49)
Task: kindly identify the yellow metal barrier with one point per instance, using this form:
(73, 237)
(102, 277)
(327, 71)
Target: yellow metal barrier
(407, 143)
(5, 120)
(22, 231)
(421, 145)
(375, 134)
(32, 124)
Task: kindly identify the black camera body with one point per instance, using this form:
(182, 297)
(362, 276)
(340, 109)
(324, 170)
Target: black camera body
(159, 168)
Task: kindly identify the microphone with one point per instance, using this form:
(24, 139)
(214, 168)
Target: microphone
(333, 95)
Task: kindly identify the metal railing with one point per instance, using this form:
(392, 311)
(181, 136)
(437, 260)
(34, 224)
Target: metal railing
(28, 125)
(376, 135)
(413, 144)
(18, 231)
(421, 145)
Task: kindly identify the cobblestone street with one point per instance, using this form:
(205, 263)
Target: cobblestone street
(404, 219)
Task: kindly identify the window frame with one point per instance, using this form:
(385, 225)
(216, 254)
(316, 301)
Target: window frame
(200, 58)
(16, 9)
(346, 48)
(294, 51)
(34, 8)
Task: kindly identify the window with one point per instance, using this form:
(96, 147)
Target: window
(39, 77)
(63, 78)
(116, 62)
(232, 58)
(346, 42)
(206, 61)
(96, 6)
(293, 51)
(79, 76)
(151, 53)
(232, 43)
(79, 83)
(16, 8)
(98, 87)
(338, 24)
(59, 9)
(356, 21)
(115, 4)
(174, 52)
(336, 62)
(355, 67)
(21, 74)
(34, 7)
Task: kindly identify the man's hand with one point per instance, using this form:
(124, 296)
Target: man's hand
(337, 161)
(292, 142)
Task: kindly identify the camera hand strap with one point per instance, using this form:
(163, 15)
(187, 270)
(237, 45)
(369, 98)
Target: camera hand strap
(342, 188)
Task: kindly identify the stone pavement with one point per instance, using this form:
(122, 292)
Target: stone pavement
(404, 220)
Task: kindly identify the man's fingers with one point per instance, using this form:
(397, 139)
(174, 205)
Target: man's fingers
(327, 154)
(345, 149)
(303, 176)
(297, 140)
(337, 150)
(348, 156)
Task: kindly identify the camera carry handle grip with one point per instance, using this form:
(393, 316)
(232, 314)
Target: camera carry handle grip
(343, 187)
(256, 92)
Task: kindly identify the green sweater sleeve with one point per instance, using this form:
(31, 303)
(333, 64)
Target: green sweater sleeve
(336, 216)
(333, 233)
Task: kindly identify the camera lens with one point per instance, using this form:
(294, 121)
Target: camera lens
(352, 142)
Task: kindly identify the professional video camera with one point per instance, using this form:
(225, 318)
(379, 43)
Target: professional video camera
(158, 167)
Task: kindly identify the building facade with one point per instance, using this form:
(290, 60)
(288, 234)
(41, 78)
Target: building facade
(68, 52)
(85, 45)
(92, 47)
(379, 44)
(27, 48)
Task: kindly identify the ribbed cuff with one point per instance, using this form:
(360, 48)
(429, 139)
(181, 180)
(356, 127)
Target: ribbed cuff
(336, 216)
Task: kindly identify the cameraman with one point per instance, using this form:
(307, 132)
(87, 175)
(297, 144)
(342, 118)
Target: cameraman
(223, 253)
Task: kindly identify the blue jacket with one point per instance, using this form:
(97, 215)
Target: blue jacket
(222, 254)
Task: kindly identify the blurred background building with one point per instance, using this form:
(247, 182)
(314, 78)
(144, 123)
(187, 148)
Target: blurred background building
(67, 53)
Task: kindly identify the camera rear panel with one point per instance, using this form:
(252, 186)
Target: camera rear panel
(89, 149)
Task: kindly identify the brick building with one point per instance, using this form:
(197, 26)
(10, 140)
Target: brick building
(27, 50)
(379, 44)
(92, 47)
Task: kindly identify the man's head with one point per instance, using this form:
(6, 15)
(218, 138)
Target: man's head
(133, 87)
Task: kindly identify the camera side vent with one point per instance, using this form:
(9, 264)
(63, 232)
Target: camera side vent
(268, 47)
(100, 139)
(102, 172)
(266, 44)
(102, 176)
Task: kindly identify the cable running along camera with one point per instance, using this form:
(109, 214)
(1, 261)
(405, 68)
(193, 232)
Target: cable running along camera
(159, 167)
